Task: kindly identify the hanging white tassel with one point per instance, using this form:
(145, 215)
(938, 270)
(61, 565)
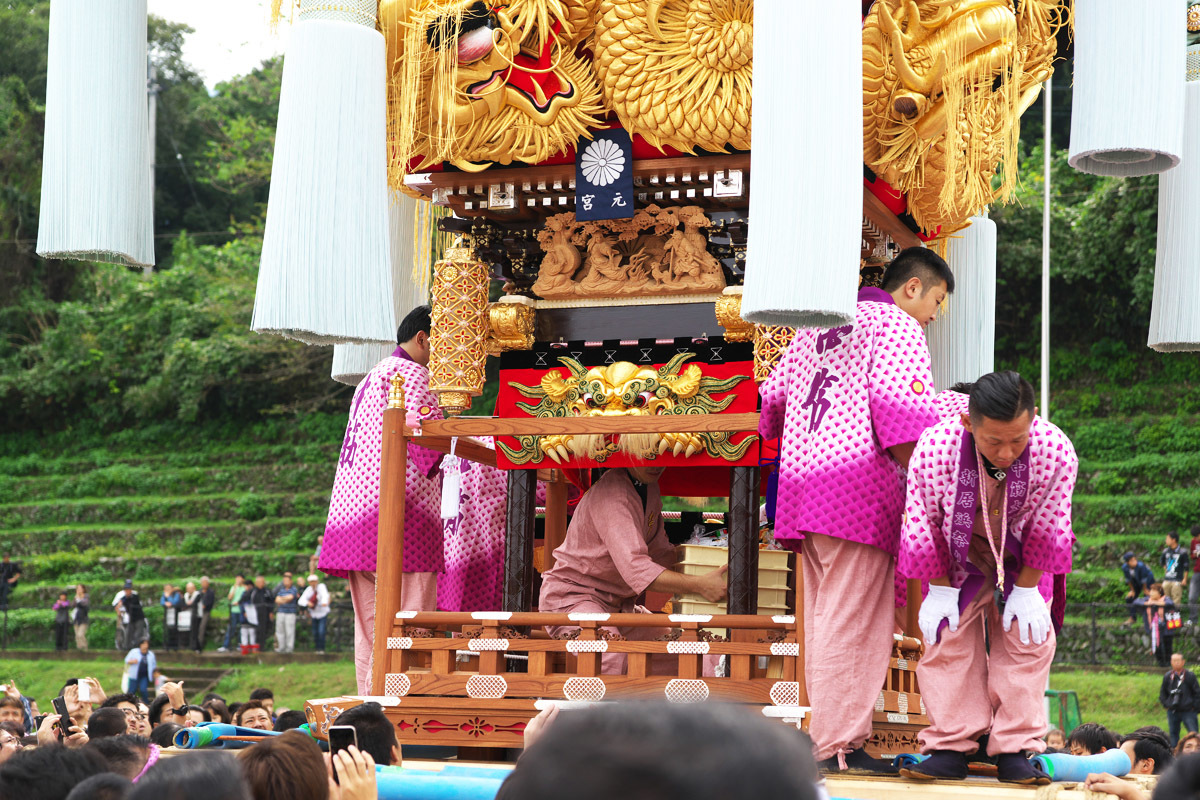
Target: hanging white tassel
(806, 204)
(1127, 103)
(325, 273)
(451, 483)
(962, 341)
(352, 362)
(96, 203)
(1175, 313)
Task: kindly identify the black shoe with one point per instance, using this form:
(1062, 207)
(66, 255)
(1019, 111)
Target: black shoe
(857, 763)
(1017, 768)
(945, 765)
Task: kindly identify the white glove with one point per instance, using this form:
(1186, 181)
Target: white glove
(1031, 613)
(941, 603)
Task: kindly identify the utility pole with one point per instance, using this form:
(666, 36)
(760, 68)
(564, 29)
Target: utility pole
(1045, 409)
(152, 122)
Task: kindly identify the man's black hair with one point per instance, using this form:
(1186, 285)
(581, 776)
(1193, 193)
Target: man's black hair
(114, 700)
(962, 387)
(262, 694)
(1173, 535)
(156, 708)
(417, 320)
(376, 733)
(204, 712)
(1151, 741)
(105, 722)
(644, 751)
(196, 776)
(104, 786)
(213, 696)
(164, 735)
(1093, 737)
(921, 263)
(1182, 780)
(1002, 396)
(125, 754)
(48, 773)
(290, 720)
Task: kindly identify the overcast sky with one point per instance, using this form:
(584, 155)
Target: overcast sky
(232, 36)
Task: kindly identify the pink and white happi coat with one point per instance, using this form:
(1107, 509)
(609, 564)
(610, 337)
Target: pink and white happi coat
(943, 499)
(352, 530)
(472, 580)
(839, 398)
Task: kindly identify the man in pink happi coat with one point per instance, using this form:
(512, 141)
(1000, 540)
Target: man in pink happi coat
(474, 537)
(989, 527)
(849, 404)
(352, 530)
(616, 548)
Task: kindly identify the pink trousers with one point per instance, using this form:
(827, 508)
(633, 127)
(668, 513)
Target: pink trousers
(969, 691)
(418, 592)
(849, 620)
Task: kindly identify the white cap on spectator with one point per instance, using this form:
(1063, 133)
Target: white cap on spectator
(312, 577)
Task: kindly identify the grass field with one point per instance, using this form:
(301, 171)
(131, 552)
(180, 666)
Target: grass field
(1119, 700)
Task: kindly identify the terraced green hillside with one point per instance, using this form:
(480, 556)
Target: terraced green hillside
(167, 504)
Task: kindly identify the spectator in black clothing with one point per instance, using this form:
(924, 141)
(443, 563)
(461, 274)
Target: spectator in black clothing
(136, 629)
(1180, 696)
(1176, 566)
(1138, 578)
(10, 575)
(208, 598)
(62, 621)
(263, 601)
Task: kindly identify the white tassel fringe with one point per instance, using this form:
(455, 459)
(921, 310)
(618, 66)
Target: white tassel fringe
(1127, 109)
(1175, 313)
(962, 341)
(806, 194)
(325, 275)
(96, 203)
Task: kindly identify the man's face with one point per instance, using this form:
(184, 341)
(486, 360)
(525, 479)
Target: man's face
(1132, 562)
(195, 717)
(1177, 662)
(11, 714)
(9, 746)
(269, 704)
(1143, 767)
(143, 719)
(260, 582)
(646, 474)
(1172, 542)
(167, 589)
(204, 584)
(144, 647)
(136, 720)
(1191, 746)
(1076, 749)
(919, 302)
(287, 581)
(257, 718)
(1001, 443)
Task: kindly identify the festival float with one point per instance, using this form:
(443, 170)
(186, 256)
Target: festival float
(585, 170)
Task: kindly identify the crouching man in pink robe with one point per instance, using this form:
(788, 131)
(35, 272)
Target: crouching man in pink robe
(848, 405)
(616, 548)
(989, 526)
(351, 540)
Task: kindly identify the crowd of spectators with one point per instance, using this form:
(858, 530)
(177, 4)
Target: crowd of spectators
(117, 746)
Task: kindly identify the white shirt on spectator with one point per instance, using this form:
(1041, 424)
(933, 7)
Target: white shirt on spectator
(321, 609)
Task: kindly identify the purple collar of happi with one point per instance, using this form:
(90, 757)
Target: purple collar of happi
(874, 295)
(967, 501)
(400, 352)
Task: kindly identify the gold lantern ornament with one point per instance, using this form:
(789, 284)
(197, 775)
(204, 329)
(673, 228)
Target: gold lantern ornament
(460, 325)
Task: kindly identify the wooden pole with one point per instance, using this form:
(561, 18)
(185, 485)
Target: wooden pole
(743, 540)
(911, 626)
(389, 562)
(518, 540)
(556, 516)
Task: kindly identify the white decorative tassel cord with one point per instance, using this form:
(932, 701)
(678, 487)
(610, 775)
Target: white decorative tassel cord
(962, 341)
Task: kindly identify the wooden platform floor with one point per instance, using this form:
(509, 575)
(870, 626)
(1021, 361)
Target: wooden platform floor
(864, 788)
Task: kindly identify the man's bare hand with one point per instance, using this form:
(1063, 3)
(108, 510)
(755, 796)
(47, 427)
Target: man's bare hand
(98, 695)
(1126, 790)
(174, 692)
(713, 586)
(356, 776)
(538, 725)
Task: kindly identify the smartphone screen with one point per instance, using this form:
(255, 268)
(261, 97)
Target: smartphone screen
(340, 738)
(64, 723)
(85, 691)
